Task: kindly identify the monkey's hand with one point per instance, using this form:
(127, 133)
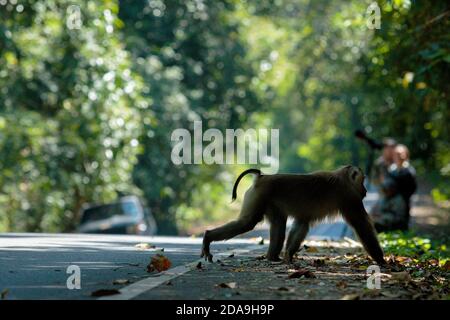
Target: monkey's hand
(205, 249)
(205, 253)
(381, 262)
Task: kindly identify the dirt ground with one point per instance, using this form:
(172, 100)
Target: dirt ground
(322, 270)
(430, 219)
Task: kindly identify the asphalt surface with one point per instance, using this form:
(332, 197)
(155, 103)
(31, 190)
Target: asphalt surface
(34, 266)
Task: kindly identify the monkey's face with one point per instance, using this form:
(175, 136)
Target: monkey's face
(356, 176)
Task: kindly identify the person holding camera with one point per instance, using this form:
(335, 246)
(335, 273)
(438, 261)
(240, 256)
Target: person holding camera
(384, 162)
(404, 176)
(391, 212)
(397, 183)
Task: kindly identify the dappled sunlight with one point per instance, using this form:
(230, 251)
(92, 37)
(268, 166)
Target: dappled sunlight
(126, 127)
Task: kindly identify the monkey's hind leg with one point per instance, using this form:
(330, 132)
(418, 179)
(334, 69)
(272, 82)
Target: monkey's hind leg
(277, 235)
(226, 232)
(251, 214)
(296, 236)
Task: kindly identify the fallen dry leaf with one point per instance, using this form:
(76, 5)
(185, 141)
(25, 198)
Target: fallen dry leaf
(353, 296)
(258, 240)
(319, 262)
(372, 293)
(362, 268)
(416, 296)
(389, 294)
(281, 289)
(144, 246)
(301, 272)
(433, 262)
(231, 255)
(104, 292)
(400, 259)
(341, 284)
(312, 250)
(402, 276)
(121, 281)
(158, 263)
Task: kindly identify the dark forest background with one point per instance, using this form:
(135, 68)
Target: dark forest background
(86, 113)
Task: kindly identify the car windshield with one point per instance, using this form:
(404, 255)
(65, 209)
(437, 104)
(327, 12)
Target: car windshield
(126, 208)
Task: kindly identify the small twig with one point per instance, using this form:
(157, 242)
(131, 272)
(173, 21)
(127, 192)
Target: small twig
(426, 24)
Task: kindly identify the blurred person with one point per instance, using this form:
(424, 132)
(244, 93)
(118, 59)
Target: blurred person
(396, 183)
(404, 175)
(391, 213)
(384, 162)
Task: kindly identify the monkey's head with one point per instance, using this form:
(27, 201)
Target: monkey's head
(356, 177)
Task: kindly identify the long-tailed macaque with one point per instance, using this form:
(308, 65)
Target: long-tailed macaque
(308, 198)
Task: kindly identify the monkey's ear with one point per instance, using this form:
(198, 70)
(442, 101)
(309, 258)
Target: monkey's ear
(353, 173)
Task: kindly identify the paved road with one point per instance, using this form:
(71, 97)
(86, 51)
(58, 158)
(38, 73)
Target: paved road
(33, 266)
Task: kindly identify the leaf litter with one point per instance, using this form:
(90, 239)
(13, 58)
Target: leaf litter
(159, 263)
(337, 273)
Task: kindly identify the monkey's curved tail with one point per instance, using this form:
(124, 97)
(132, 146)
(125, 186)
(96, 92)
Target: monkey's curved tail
(254, 171)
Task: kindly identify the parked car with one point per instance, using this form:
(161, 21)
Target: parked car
(127, 216)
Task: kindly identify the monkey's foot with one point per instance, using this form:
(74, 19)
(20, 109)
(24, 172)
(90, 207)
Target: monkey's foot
(208, 256)
(288, 256)
(288, 259)
(383, 263)
(273, 258)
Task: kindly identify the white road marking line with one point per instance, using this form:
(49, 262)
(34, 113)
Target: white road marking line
(137, 288)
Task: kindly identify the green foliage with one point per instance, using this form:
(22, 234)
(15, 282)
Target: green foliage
(88, 113)
(408, 244)
(194, 67)
(411, 55)
(68, 118)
